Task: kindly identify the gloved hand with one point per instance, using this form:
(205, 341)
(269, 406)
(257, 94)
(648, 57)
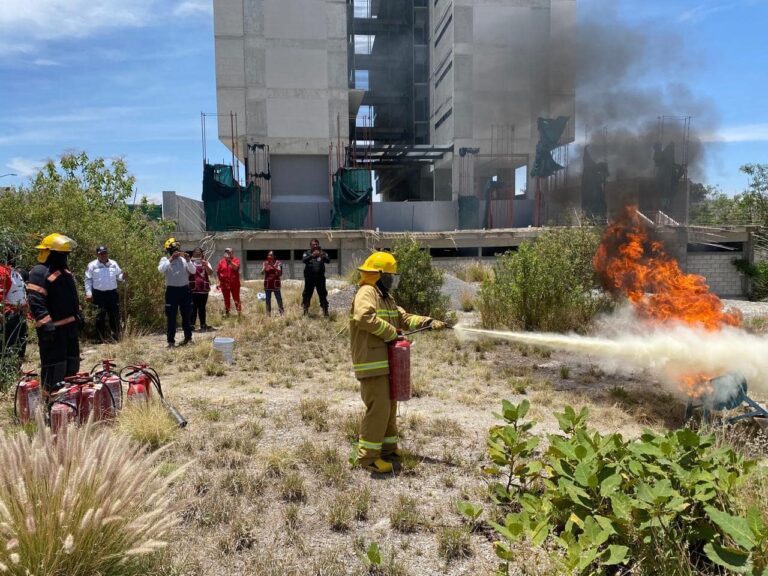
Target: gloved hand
(438, 325)
(47, 332)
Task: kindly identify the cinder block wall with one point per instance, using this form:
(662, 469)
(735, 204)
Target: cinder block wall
(722, 277)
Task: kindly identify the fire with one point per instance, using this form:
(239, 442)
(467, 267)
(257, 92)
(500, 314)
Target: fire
(696, 385)
(632, 265)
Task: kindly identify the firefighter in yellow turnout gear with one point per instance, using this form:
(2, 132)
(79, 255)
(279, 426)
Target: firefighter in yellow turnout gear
(377, 320)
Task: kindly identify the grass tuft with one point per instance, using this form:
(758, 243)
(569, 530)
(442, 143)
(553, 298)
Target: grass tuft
(314, 411)
(292, 488)
(54, 518)
(454, 543)
(404, 515)
(147, 423)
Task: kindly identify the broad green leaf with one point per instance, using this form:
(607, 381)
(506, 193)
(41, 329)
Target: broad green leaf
(610, 485)
(584, 475)
(621, 505)
(734, 527)
(688, 438)
(755, 521)
(374, 554)
(731, 558)
(615, 554)
(540, 532)
(503, 551)
(522, 409)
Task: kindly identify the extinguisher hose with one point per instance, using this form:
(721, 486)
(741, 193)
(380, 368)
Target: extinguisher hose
(175, 414)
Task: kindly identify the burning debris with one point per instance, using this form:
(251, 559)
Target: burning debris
(676, 328)
(632, 265)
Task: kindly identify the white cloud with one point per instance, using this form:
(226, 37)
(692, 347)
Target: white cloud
(25, 167)
(193, 8)
(740, 133)
(46, 62)
(56, 19)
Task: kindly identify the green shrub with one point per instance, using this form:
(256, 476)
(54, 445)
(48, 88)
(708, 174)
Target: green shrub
(90, 502)
(659, 504)
(420, 282)
(758, 276)
(87, 201)
(547, 285)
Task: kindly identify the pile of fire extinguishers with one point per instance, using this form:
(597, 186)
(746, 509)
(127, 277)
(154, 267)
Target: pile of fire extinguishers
(96, 395)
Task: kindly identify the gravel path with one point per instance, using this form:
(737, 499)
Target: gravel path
(747, 308)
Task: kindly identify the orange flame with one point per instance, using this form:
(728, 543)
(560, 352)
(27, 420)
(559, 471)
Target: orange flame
(629, 264)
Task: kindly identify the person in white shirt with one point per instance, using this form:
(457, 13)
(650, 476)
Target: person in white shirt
(101, 278)
(177, 266)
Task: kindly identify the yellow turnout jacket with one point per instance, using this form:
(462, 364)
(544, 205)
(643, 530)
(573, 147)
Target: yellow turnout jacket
(374, 322)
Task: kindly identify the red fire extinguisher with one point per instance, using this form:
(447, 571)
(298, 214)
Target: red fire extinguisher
(95, 402)
(27, 397)
(106, 374)
(139, 382)
(64, 409)
(399, 354)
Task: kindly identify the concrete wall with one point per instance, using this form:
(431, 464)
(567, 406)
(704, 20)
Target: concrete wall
(188, 213)
(281, 66)
(498, 66)
(722, 277)
(415, 216)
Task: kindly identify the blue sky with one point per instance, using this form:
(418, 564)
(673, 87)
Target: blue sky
(129, 78)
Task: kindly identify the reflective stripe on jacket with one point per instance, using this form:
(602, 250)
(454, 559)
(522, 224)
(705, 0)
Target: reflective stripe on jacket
(374, 322)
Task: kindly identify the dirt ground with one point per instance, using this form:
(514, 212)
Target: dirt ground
(270, 491)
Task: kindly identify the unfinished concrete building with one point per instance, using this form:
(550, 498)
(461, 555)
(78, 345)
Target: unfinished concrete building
(432, 106)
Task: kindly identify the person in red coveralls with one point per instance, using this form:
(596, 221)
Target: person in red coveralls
(228, 272)
(5, 288)
(272, 270)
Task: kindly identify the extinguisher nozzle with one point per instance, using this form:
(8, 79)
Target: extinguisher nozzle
(175, 414)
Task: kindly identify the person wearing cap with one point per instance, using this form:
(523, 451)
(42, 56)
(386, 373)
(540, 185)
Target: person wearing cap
(55, 308)
(101, 278)
(228, 272)
(176, 266)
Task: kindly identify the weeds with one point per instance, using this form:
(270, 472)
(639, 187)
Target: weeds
(147, 423)
(454, 543)
(565, 372)
(292, 488)
(314, 411)
(54, 519)
(404, 515)
(291, 517)
(340, 513)
(474, 272)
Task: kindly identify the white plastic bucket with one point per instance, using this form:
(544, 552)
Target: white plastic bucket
(225, 347)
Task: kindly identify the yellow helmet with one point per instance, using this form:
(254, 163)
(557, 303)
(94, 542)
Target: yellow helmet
(171, 243)
(380, 262)
(54, 243)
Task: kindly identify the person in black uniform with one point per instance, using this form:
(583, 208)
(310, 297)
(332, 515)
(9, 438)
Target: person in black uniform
(56, 310)
(315, 260)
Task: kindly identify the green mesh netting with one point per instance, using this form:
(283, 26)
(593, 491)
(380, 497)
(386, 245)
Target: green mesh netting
(469, 213)
(352, 194)
(227, 205)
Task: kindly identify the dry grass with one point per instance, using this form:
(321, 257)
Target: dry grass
(147, 423)
(53, 514)
(271, 491)
(474, 272)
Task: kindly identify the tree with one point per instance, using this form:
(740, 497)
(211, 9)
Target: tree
(87, 200)
(711, 206)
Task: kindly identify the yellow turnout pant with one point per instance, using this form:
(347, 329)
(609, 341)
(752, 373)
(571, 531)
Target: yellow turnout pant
(378, 433)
